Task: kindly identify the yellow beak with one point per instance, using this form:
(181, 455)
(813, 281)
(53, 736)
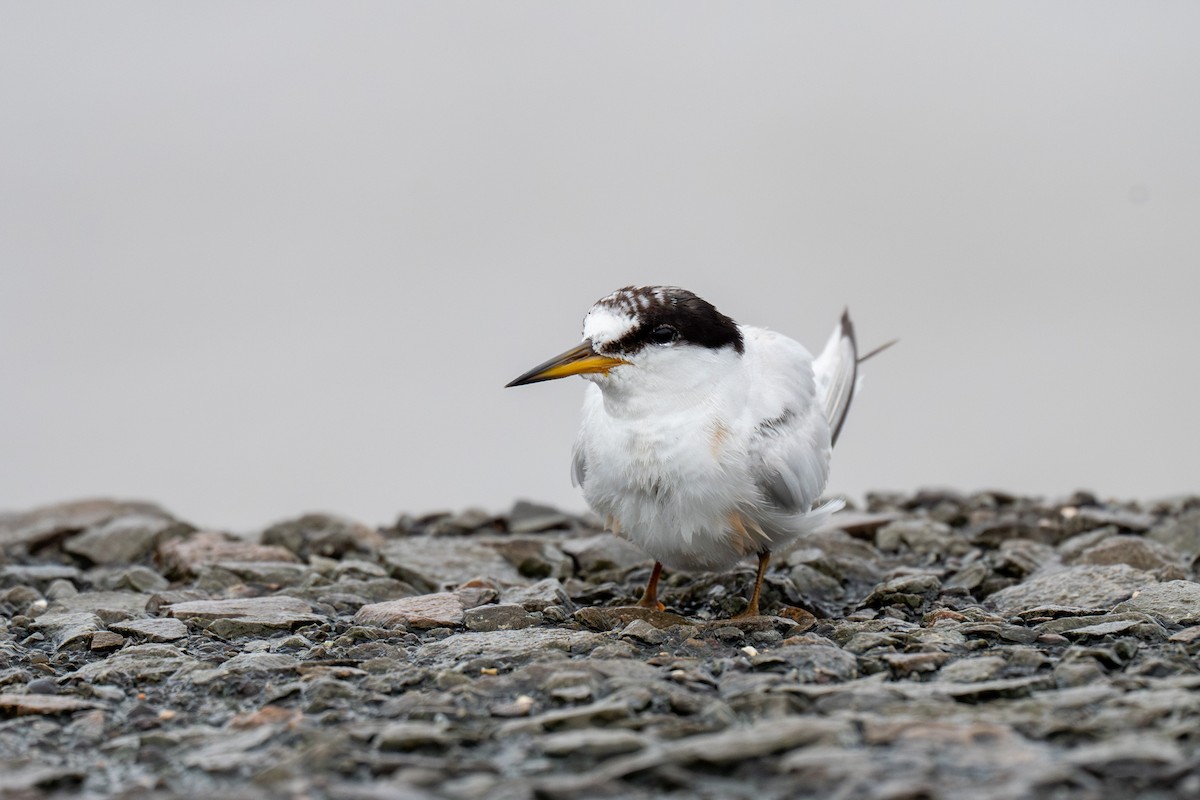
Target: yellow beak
(575, 361)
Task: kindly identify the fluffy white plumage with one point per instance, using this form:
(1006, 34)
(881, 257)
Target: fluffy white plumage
(703, 441)
(672, 449)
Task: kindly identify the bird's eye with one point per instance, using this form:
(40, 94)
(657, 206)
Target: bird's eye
(663, 334)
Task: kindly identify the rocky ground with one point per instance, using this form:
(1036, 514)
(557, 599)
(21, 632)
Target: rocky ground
(936, 646)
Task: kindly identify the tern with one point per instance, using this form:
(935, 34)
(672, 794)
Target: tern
(703, 441)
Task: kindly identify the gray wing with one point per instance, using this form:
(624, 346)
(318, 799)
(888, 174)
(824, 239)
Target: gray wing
(789, 445)
(836, 371)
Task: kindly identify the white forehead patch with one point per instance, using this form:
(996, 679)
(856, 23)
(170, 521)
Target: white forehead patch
(606, 324)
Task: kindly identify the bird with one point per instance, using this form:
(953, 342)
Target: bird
(703, 441)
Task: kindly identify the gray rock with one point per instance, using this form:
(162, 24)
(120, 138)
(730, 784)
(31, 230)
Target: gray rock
(323, 535)
(39, 527)
(922, 536)
(135, 578)
(433, 563)
(108, 606)
(123, 540)
(527, 517)
(1136, 551)
(907, 590)
(246, 663)
(642, 631)
(1182, 534)
(1174, 602)
(604, 552)
(973, 670)
(537, 597)
(809, 664)
(1089, 586)
(67, 630)
(154, 629)
(145, 662)
(508, 646)
(247, 616)
(535, 558)
(607, 619)
(591, 743)
(22, 704)
(411, 735)
(499, 618)
(106, 640)
(437, 610)
(185, 556)
(37, 574)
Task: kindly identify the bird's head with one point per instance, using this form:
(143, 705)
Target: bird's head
(656, 337)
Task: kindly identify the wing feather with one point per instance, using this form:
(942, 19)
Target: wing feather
(836, 371)
(790, 443)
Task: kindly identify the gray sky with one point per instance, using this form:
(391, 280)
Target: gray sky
(263, 258)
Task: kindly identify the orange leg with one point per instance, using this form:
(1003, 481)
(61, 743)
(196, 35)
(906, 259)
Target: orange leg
(752, 610)
(650, 596)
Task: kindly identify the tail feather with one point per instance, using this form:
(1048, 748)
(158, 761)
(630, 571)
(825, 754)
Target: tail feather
(836, 372)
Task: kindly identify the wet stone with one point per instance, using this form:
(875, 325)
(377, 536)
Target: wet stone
(323, 535)
(499, 618)
(973, 670)
(1174, 602)
(441, 609)
(186, 556)
(1136, 551)
(527, 517)
(948, 645)
(538, 596)
(21, 704)
(71, 629)
(1084, 586)
(106, 640)
(123, 540)
(108, 606)
(642, 631)
(607, 619)
(37, 574)
(248, 616)
(435, 563)
(1181, 534)
(597, 743)
(155, 629)
(604, 552)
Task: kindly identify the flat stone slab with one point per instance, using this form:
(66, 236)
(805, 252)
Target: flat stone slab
(610, 618)
(34, 528)
(439, 562)
(143, 662)
(1174, 602)
(245, 615)
(22, 704)
(1090, 586)
(66, 629)
(437, 610)
(186, 556)
(108, 606)
(124, 540)
(153, 629)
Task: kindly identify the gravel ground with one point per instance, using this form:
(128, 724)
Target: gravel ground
(934, 646)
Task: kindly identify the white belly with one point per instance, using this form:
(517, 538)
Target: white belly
(671, 485)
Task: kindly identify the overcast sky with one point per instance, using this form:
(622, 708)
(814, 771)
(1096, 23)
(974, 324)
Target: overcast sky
(263, 258)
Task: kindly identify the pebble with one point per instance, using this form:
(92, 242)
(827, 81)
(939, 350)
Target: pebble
(936, 645)
(1084, 586)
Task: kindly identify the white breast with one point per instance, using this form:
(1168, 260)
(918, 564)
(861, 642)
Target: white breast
(673, 472)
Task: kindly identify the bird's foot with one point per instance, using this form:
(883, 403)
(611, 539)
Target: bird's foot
(751, 611)
(651, 603)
